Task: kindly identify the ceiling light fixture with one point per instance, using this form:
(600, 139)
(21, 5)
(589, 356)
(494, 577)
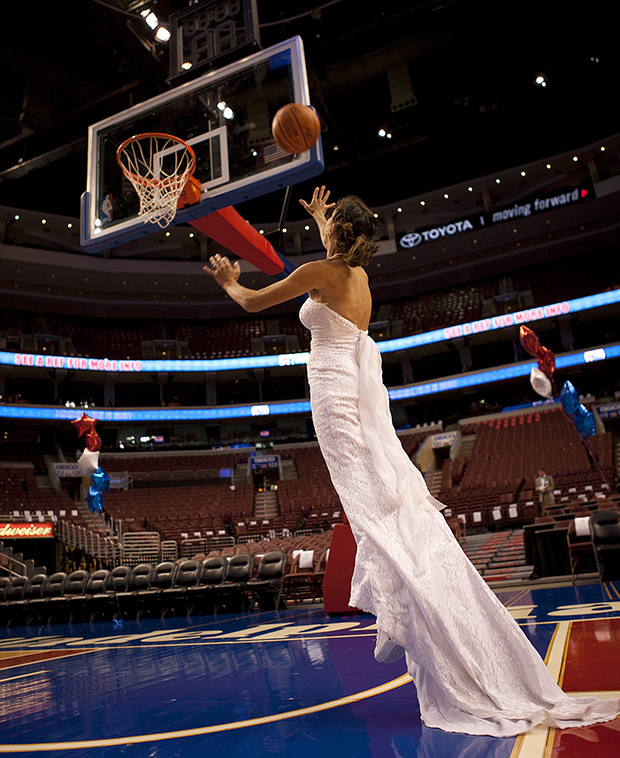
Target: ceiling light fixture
(150, 18)
(162, 34)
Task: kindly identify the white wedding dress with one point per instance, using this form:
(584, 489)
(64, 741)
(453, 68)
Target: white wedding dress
(473, 668)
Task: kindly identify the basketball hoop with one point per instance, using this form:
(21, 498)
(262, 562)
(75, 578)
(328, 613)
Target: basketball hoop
(159, 167)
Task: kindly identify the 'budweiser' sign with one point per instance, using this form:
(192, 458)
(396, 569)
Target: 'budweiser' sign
(17, 531)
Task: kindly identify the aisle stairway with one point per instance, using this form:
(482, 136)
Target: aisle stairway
(266, 504)
(498, 556)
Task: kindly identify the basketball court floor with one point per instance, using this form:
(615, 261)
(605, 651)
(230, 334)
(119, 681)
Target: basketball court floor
(294, 682)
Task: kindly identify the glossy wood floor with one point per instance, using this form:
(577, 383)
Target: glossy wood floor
(293, 683)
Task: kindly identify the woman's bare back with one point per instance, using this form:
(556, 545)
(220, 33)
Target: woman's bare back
(346, 291)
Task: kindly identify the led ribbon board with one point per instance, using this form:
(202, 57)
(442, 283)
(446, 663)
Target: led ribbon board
(504, 321)
(461, 381)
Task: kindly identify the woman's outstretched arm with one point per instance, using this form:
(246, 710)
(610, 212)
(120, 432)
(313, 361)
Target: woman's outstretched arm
(310, 276)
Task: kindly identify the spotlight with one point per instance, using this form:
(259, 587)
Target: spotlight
(150, 18)
(541, 81)
(162, 34)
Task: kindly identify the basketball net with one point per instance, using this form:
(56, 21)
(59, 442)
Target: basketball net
(159, 166)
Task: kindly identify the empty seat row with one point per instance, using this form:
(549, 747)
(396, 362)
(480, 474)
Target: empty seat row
(190, 587)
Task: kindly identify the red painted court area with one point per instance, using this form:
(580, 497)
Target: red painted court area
(591, 664)
(592, 658)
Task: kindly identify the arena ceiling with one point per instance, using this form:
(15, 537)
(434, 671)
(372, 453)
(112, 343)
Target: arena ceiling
(471, 65)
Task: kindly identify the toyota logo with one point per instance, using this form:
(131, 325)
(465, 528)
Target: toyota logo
(411, 240)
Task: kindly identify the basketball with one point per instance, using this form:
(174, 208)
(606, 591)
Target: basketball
(296, 128)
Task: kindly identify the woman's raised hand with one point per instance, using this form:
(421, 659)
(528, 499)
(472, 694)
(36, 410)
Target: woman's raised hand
(318, 205)
(222, 270)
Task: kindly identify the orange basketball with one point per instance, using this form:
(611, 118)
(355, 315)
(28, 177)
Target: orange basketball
(296, 128)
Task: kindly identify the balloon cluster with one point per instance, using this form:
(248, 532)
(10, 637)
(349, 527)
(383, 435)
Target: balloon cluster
(582, 417)
(542, 381)
(88, 462)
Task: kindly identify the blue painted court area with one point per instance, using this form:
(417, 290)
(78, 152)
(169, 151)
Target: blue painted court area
(295, 682)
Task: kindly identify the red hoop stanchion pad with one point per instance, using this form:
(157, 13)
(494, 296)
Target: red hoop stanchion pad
(339, 571)
(228, 228)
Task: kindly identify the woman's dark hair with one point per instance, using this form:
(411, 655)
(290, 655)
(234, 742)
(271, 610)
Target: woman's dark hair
(355, 227)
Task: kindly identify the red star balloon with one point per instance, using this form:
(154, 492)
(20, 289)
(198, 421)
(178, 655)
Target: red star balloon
(84, 424)
(93, 441)
(546, 361)
(529, 340)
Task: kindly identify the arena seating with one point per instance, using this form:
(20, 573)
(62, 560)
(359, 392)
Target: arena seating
(244, 336)
(21, 498)
(493, 486)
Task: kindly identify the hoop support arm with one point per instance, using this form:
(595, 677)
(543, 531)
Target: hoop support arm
(228, 228)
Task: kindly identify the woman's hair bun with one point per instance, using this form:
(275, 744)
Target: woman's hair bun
(355, 226)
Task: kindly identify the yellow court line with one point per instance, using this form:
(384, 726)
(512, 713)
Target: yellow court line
(140, 738)
(538, 742)
(609, 595)
(518, 596)
(614, 588)
(602, 694)
(556, 652)
(23, 676)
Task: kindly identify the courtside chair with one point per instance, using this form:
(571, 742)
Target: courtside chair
(605, 529)
(94, 600)
(129, 599)
(175, 598)
(201, 597)
(38, 608)
(233, 594)
(58, 606)
(164, 575)
(14, 595)
(34, 589)
(267, 588)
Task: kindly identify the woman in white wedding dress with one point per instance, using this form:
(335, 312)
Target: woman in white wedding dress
(473, 668)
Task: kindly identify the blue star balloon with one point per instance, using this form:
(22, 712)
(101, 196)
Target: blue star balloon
(569, 398)
(101, 480)
(585, 422)
(94, 500)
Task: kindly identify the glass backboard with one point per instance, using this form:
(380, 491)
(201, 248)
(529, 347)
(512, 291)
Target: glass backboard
(225, 115)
